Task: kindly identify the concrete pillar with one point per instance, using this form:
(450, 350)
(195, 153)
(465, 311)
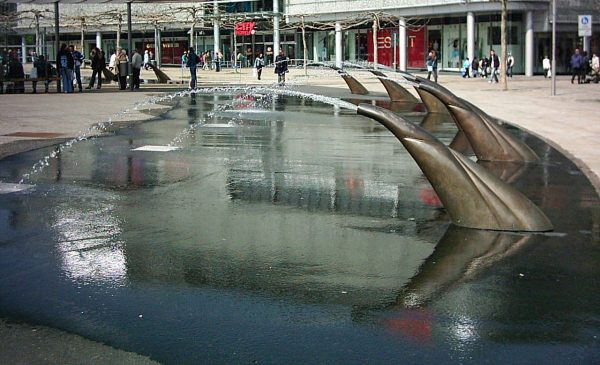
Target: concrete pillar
(402, 44)
(129, 44)
(99, 40)
(529, 44)
(339, 55)
(470, 35)
(216, 33)
(276, 17)
(587, 46)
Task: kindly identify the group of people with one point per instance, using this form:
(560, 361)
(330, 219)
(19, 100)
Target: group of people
(205, 60)
(193, 61)
(582, 66)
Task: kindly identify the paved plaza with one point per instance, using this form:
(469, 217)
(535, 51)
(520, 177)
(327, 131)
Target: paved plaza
(567, 121)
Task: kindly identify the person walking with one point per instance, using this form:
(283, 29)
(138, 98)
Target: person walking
(207, 61)
(475, 66)
(281, 67)
(78, 58)
(136, 69)
(576, 65)
(146, 60)
(485, 67)
(65, 64)
(510, 62)
(192, 61)
(546, 66)
(98, 64)
(113, 60)
(466, 66)
(495, 65)
(217, 61)
(595, 63)
(259, 63)
(121, 64)
(432, 65)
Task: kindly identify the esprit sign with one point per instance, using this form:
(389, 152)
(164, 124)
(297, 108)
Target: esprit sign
(244, 28)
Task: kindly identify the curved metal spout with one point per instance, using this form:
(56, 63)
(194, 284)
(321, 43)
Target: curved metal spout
(472, 196)
(355, 86)
(395, 91)
(433, 104)
(489, 140)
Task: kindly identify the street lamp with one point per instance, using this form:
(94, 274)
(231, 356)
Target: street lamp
(553, 66)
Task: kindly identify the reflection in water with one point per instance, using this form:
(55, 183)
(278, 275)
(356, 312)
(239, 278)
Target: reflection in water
(90, 245)
(461, 254)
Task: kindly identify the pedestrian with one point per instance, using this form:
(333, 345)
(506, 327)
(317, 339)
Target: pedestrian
(281, 67)
(65, 64)
(44, 71)
(595, 68)
(259, 63)
(184, 59)
(432, 65)
(494, 65)
(113, 60)
(485, 67)
(217, 61)
(98, 65)
(136, 69)
(78, 58)
(576, 65)
(475, 66)
(121, 64)
(192, 61)
(510, 62)
(207, 61)
(546, 66)
(15, 71)
(146, 60)
(466, 66)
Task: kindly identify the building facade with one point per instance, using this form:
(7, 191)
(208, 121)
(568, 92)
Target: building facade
(335, 31)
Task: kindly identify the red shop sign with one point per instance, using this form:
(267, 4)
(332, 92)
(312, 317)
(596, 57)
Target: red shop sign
(244, 28)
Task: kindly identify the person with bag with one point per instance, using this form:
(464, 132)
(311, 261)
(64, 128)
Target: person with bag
(259, 63)
(546, 66)
(432, 65)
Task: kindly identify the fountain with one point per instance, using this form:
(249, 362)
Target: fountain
(472, 196)
(276, 211)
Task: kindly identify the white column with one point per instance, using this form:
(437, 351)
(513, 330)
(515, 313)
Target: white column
(470, 35)
(402, 44)
(529, 44)
(217, 34)
(99, 40)
(24, 50)
(276, 16)
(338, 45)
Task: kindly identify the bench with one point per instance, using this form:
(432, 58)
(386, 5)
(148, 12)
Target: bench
(17, 85)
